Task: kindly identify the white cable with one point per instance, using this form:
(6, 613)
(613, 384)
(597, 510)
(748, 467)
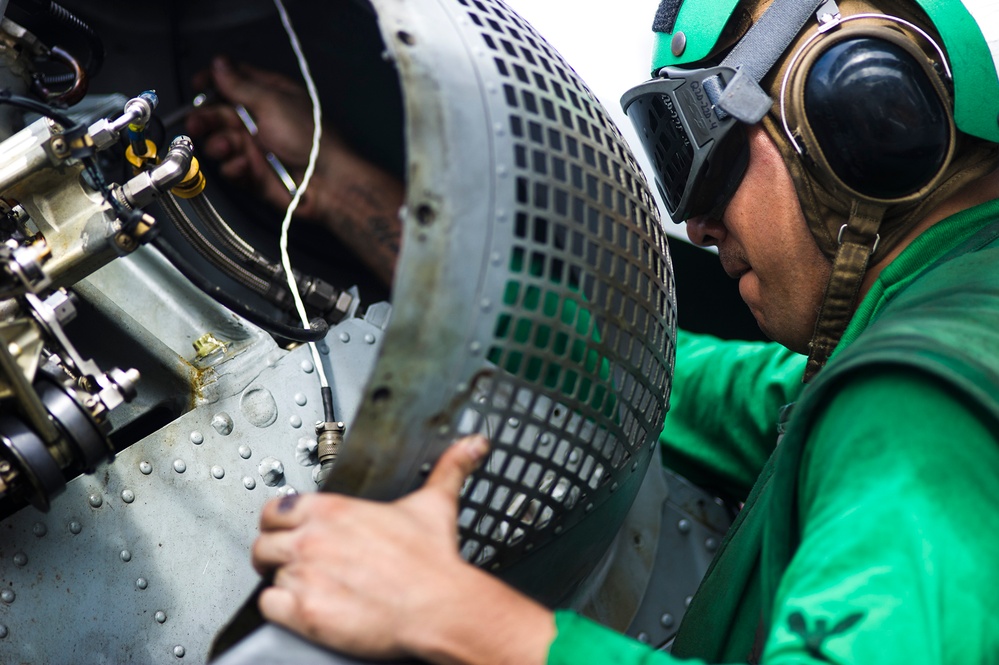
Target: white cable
(317, 133)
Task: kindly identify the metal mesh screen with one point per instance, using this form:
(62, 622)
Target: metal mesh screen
(582, 345)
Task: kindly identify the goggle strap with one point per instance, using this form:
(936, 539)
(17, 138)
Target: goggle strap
(755, 55)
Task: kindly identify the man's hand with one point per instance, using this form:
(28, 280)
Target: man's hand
(385, 580)
(282, 112)
(354, 198)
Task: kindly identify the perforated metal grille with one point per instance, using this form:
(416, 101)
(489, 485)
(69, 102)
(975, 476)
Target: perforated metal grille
(583, 337)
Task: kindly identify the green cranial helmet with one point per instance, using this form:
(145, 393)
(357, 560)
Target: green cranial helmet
(881, 109)
(690, 31)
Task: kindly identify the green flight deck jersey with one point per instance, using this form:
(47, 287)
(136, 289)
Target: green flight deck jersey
(871, 533)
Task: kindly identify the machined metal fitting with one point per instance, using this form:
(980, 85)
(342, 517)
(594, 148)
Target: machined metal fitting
(330, 436)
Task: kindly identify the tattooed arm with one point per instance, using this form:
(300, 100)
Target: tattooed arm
(356, 200)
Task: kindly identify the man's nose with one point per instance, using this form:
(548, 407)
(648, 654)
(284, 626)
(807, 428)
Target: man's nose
(705, 231)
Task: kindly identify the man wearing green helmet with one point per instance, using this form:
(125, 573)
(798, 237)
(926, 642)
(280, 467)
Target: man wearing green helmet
(842, 158)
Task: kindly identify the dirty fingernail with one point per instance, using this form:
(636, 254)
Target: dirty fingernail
(477, 446)
(287, 503)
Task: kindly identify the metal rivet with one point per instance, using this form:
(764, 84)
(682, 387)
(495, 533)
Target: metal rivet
(8, 596)
(141, 583)
(369, 338)
(683, 526)
(589, 507)
(3, 631)
(295, 421)
(197, 438)
(634, 467)
(244, 452)
(666, 620)
(125, 555)
(678, 44)
(614, 487)
(75, 528)
(496, 258)
(95, 500)
(218, 472)
(558, 529)
(39, 529)
(475, 348)
(485, 304)
(686, 601)
(160, 617)
(301, 399)
(271, 470)
(146, 468)
(179, 651)
(249, 483)
(128, 496)
(179, 466)
(643, 638)
(344, 337)
(222, 423)
(711, 544)
(287, 490)
(20, 559)
(307, 366)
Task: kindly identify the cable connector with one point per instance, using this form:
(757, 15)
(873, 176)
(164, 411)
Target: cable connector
(330, 436)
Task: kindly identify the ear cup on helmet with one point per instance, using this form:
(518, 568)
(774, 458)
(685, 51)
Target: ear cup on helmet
(870, 113)
(876, 117)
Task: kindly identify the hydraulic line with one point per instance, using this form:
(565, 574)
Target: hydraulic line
(319, 294)
(318, 327)
(210, 252)
(242, 250)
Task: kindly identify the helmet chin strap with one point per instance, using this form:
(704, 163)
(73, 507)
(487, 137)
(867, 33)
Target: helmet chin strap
(858, 240)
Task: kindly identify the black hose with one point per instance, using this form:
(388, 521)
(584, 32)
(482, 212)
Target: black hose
(69, 125)
(292, 333)
(41, 14)
(327, 394)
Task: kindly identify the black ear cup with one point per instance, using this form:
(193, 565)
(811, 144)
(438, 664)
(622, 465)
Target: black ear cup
(877, 117)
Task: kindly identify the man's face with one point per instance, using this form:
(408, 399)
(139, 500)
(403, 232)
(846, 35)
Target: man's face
(764, 242)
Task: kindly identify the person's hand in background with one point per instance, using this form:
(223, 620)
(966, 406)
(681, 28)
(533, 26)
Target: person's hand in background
(355, 199)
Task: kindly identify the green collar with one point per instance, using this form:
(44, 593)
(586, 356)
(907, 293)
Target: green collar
(929, 246)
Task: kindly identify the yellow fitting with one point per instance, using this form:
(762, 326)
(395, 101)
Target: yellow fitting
(192, 184)
(208, 344)
(139, 163)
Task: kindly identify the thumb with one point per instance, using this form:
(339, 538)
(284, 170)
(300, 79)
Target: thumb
(457, 463)
(230, 83)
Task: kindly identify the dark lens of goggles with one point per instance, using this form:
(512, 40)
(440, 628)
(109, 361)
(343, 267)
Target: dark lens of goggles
(698, 158)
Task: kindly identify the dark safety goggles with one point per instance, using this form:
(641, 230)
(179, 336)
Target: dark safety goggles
(698, 152)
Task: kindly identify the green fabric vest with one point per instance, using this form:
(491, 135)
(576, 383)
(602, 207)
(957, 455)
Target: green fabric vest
(940, 324)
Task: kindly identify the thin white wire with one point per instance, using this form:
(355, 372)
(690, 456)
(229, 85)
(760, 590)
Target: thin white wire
(317, 133)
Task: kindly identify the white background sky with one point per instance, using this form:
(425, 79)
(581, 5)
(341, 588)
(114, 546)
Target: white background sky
(609, 44)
